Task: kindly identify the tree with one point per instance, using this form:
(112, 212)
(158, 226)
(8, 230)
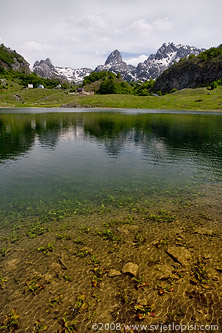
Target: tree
(214, 85)
(108, 86)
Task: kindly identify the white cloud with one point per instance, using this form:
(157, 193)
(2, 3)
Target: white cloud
(137, 60)
(91, 22)
(104, 40)
(141, 26)
(36, 46)
(81, 33)
(162, 24)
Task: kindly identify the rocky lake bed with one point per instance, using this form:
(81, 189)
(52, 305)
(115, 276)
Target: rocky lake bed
(140, 264)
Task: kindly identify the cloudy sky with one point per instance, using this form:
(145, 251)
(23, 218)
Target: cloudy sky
(82, 33)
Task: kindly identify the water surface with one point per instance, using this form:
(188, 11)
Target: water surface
(50, 157)
(83, 193)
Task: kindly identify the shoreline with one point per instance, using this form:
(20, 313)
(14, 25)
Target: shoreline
(115, 109)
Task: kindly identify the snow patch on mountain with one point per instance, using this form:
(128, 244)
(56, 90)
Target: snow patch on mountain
(166, 56)
(115, 64)
(71, 74)
(152, 67)
(45, 68)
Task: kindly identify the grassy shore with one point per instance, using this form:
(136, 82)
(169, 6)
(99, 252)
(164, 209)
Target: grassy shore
(186, 99)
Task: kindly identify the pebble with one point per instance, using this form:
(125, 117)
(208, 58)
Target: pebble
(203, 231)
(114, 272)
(130, 268)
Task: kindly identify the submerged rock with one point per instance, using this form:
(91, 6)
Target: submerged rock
(114, 272)
(130, 268)
(128, 228)
(179, 254)
(164, 271)
(203, 231)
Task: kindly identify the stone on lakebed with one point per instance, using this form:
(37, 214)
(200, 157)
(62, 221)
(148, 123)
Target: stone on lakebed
(130, 268)
(179, 254)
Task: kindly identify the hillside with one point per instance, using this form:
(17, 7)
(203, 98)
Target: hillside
(11, 60)
(193, 72)
(186, 99)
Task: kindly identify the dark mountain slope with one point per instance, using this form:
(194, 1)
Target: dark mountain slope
(12, 60)
(192, 72)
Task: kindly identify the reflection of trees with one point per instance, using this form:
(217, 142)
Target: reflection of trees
(107, 132)
(154, 133)
(48, 132)
(18, 133)
(14, 142)
(159, 135)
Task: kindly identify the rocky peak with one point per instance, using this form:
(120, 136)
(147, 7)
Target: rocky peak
(115, 56)
(46, 62)
(37, 63)
(165, 50)
(114, 63)
(45, 69)
(166, 56)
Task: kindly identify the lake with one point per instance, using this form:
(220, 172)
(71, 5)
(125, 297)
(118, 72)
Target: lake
(84, 192)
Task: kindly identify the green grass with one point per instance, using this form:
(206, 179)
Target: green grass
(186, 99)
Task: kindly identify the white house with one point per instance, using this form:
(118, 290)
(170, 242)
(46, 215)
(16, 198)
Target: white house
(30, 85)
(3, 81)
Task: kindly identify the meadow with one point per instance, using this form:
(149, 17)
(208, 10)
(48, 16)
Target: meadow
(187, 99)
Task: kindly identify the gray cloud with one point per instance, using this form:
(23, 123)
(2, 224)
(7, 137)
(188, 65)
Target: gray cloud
(81, 33)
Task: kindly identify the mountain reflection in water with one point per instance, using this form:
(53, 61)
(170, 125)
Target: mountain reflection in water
(86, 154)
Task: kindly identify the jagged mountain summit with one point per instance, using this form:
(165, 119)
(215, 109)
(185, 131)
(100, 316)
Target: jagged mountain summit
(45, 68)
(115, 63)
(114, 57)
(153, 67)
(166, 56)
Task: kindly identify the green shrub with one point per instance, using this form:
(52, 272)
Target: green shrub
(95, 76)
(173, 90)
(142, 89)
(211, 53)
(214, 85)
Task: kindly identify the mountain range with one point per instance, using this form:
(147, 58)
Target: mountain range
(45, 68)
(167, 55)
